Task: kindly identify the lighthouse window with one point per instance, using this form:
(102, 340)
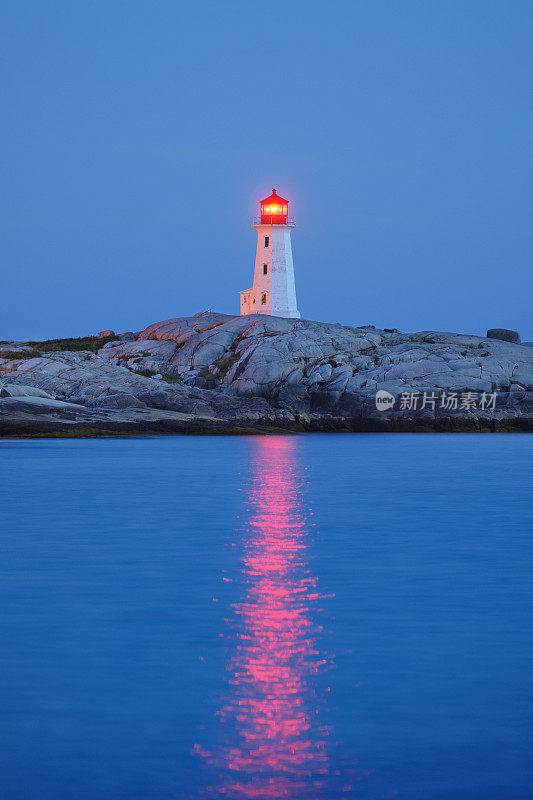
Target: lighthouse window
(265, 269)
(263, 299)
(267, 241)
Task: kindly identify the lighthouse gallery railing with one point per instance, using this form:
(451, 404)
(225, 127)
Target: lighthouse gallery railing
(290, 221)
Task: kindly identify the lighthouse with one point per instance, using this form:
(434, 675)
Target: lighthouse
(273, 291)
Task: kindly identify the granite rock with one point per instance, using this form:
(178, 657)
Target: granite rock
(216, 371)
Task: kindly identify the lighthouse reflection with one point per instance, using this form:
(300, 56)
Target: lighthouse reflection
(275, 742)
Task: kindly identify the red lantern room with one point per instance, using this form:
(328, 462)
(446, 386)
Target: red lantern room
(274, 210)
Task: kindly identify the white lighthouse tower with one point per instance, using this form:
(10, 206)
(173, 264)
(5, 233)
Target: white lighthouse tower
(273, 291)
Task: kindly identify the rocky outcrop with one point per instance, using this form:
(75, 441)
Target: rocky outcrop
(504, 334)
(218, 372)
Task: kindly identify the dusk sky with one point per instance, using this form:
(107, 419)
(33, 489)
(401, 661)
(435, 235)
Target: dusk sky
(138, 138)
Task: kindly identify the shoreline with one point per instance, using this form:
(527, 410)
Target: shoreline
(33, 429)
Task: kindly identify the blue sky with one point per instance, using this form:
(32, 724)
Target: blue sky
(138, 138)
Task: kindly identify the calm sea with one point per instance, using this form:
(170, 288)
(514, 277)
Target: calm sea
(303, 617)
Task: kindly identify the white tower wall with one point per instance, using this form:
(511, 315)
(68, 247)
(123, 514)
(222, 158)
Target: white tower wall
(273, 293)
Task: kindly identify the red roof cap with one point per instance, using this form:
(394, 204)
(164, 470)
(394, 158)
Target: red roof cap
(274, 198)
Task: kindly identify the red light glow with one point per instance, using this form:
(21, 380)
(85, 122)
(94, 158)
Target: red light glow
(274, 209)
(276, 744)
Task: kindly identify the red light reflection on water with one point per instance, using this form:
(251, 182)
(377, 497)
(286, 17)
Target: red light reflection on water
(276, 743)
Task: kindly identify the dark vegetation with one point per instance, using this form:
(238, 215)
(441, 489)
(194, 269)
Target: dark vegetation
(91, 343)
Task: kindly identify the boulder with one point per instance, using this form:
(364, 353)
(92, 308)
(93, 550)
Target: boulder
(149, 354)
(158, 398)
(119, 400)
(20, 390)
(319, 373)
(504, 334)
(15, 347)
(293, 378)
(105, 334)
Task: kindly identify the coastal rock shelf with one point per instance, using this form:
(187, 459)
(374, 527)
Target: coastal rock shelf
(214, 372)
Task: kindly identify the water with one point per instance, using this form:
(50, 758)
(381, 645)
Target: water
(305, 617)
